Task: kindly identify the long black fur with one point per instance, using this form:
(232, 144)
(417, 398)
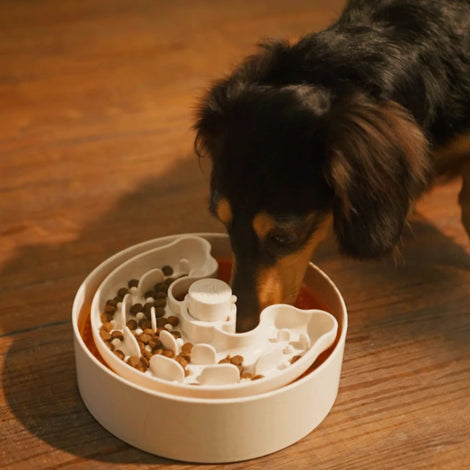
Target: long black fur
(344, 121)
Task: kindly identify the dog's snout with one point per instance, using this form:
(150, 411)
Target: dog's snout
(248, 308)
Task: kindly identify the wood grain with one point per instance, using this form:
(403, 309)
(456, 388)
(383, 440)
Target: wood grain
(96, 155)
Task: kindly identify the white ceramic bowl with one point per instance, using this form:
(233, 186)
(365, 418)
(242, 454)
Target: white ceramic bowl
(206, 429)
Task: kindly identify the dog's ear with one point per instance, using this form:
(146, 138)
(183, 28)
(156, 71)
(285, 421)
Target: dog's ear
(377, 166)
(266, 68)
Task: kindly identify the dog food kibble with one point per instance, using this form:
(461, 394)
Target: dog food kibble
(168, 353)
(167, 270)
(154, 342)
(257, 377)
(136, 308)
(161, 287)
(133, 361)
(123, 291)
(144, 323)
(106, 317)
(182, 360)
(116, 334)
(110, 308)
(105, 335)
(246, 375)
(119, 354)
(159, 312)
(131, 324)
(161, 302)
(187, 348)
(173, 321)
(144, 361)
(144, 338)
(146, 354)
(150, 294)
(237, 360)
(133, 283)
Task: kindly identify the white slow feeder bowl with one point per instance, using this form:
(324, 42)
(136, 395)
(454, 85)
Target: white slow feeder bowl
(220, 429)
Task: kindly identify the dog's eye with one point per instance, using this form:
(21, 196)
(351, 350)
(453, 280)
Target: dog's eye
(283, 239)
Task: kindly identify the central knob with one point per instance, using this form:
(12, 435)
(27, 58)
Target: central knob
(210, 300)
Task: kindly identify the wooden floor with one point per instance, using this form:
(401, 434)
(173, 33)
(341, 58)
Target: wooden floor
(97, 101)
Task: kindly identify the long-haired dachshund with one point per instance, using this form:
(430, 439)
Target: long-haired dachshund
(342, 128)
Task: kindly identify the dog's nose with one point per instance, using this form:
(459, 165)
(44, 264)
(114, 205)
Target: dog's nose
(247, 316)
(247, 305)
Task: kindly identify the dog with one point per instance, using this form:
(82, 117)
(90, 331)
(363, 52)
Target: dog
(345, 128)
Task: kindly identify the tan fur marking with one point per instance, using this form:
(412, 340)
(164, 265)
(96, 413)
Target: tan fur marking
(451, 158)
(459, 146)
(280, 283)
(224, 211)
(263, 223)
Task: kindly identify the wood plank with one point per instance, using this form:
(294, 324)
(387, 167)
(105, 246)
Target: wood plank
(96, 155)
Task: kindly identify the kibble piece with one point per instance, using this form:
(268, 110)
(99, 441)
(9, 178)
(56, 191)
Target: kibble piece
(109, 308)
(154, 342)
(225, 360)
(105, 335)
(149, 293)
(159, 302)
(148, 331)
(117, 334)
(119, 354)
(187, 348)
(146, 354)
(159, 312)
(106, 317)
(131, 324)
(133, 283)
(136, 308)
(158, 351)
(186, 357)
(161, 322)
(123, 291)
(176, 334)
(160, 295)
(246, 375)
(182, 360)
(144, 323)
(168, 353)
(107, 326)
(169, 281)
(167, 270)
(161, 287)
(145, 362)
(237, 360)
(256, 377)
(144, 338)
(133, 361)
(118, 299)
(172, 320)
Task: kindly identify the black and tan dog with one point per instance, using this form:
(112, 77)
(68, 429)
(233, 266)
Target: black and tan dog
(341, 128)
